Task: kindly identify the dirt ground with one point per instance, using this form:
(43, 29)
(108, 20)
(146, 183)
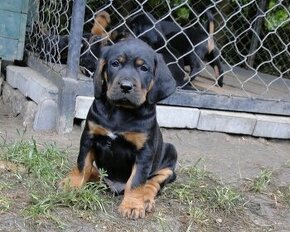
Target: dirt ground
(231, 158)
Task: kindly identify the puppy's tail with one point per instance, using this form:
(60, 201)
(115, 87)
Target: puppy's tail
(102, 21)
(210, 26)
(210, 30)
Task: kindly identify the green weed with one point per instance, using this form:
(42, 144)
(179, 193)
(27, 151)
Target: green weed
(261, 182)
(5, 203)
(203, 195)
(46, 166)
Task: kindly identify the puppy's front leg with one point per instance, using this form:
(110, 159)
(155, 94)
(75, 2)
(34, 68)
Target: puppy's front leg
(139, 200)
(133, 203)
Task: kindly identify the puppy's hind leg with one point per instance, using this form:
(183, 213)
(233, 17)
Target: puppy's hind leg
(85, 170)
(160, 178)
(214, 60)
(80, 175)
(195, 64)
(169, 161)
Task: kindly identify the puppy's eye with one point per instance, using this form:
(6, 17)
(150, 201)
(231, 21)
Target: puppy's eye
(115, 63)
(144, 68)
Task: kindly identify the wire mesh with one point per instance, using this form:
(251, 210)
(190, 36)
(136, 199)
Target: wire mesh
(250, 39)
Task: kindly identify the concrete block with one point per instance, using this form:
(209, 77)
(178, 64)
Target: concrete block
(11, 77)
(15, 78)
(167, 116)
(83, 105)
(46, 116)
(229, 122)
(272, 127)
(31, 83)
(177, 117)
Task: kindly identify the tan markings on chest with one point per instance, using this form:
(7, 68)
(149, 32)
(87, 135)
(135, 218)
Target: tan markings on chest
(138, 139)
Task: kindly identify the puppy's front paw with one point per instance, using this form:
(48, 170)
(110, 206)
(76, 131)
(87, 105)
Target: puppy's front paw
(132, 208)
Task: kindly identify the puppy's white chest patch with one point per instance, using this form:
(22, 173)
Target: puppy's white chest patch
(112, 135)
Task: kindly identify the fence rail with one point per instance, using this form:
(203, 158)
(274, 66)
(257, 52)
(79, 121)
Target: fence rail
(251, 39)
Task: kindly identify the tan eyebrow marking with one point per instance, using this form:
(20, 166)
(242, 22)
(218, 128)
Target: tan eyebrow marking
(122, 59)
(139, 62)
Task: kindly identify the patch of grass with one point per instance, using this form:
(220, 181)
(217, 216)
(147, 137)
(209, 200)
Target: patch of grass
(5, 203)
(202, 196)
(284, 194)
(46, 166)
(4, 185)
(225, 198)
(195, 178)
(261, 182)
(91, 197)
(198, 214)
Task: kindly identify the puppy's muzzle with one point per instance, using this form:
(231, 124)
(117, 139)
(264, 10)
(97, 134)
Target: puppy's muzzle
(126, 86)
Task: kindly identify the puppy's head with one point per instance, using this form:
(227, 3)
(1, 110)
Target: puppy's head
(145, 27)
(130, 73)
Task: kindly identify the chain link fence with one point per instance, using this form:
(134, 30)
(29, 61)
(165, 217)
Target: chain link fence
(246, 42)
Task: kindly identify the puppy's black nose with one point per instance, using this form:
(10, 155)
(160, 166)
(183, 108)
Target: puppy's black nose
(126, 86)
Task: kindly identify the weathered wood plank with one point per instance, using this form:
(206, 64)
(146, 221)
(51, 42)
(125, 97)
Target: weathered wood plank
(230, 103)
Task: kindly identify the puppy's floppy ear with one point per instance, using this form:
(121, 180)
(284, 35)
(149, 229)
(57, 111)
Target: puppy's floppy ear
(164, 83)
(98, 77)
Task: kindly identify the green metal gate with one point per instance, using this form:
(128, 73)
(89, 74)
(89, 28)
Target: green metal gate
(13, 17)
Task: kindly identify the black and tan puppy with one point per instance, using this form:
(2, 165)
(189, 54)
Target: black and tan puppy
(93, 42)
(197, 44)
(145, 27)
(190, 46)
(121, 134)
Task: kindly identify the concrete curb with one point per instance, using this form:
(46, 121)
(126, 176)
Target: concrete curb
(33, 85)
(211, 120)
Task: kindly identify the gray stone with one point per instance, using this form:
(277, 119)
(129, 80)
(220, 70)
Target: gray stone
(1, 84)
(28, 113)
(45, 118)
(230, 122)
(6, 93)
(272, 127)
(14, 99)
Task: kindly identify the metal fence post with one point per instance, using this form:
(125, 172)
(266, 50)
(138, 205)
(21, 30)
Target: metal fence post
(68, 89)
(257, 28)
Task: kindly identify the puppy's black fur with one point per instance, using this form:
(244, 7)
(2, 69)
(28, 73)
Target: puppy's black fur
(201, 39)
(121, 134)
(52, 48)
(145, 26)
(180, 42)
(90, 52)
